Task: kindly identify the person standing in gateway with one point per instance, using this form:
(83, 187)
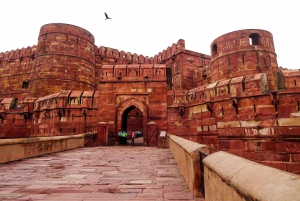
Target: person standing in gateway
(132, 137)
(124, 137)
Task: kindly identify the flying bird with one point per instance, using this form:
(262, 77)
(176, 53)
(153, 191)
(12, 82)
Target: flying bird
(106, 17)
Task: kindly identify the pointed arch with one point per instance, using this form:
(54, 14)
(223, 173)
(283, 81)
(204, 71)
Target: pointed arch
(124, 107)
(132, 73)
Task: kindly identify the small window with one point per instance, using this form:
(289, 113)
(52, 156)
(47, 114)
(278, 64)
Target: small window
(214, 49)
(25, 84)
(254, 39)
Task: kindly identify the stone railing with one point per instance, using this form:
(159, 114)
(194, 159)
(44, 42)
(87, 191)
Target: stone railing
(20, 148)
(229, 177)
(187, 156)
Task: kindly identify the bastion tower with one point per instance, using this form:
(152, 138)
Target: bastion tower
(65, 60)
(244, 52)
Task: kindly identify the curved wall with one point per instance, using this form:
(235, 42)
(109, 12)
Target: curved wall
(65, 60)
(242, 52)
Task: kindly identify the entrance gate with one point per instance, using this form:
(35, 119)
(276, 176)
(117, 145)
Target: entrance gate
(96, 135)
(152, 130)
(124, 108)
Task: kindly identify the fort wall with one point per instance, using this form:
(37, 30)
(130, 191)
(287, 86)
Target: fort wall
(65, 113)
(15, 72)
(216, 175)
(16, 149)
(240, 116)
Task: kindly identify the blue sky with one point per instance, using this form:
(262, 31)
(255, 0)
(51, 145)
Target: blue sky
(148, 27)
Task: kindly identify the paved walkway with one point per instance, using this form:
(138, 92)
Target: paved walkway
(96, 173)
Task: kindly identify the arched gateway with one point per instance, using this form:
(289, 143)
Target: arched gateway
(137, 110)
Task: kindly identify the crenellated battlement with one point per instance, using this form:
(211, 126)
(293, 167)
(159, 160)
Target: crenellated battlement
(106, 52)
(18, 54)
(114, 56)
(176, 48)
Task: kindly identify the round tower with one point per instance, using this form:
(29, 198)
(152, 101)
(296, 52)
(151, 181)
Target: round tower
(243, 52)
(65, 60)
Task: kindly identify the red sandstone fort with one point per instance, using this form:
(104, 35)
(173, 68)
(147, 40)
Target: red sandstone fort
(237, 99)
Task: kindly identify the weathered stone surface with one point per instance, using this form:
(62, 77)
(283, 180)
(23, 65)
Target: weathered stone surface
(78, 175)
(239, 179)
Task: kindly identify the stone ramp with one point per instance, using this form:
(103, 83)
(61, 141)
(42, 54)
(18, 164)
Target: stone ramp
(96, 173)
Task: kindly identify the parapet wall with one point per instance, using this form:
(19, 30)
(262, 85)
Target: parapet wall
(16, 149)
(234, 178)
(18, 54)
(229, 177)
(187, 156)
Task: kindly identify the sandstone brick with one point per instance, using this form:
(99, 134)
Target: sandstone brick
(293, 167)
(269, 146)
(287, 147)
(295, 157)
(231, 132)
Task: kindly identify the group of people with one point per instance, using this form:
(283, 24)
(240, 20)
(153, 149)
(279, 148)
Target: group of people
(123, 137)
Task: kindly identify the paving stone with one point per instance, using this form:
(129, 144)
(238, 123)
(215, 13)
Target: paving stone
(10, 196)
(95, 173)
(77, 176)
(88, 170)
(141, 182)
(131, 190)
(35, 197)
(110, 172)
